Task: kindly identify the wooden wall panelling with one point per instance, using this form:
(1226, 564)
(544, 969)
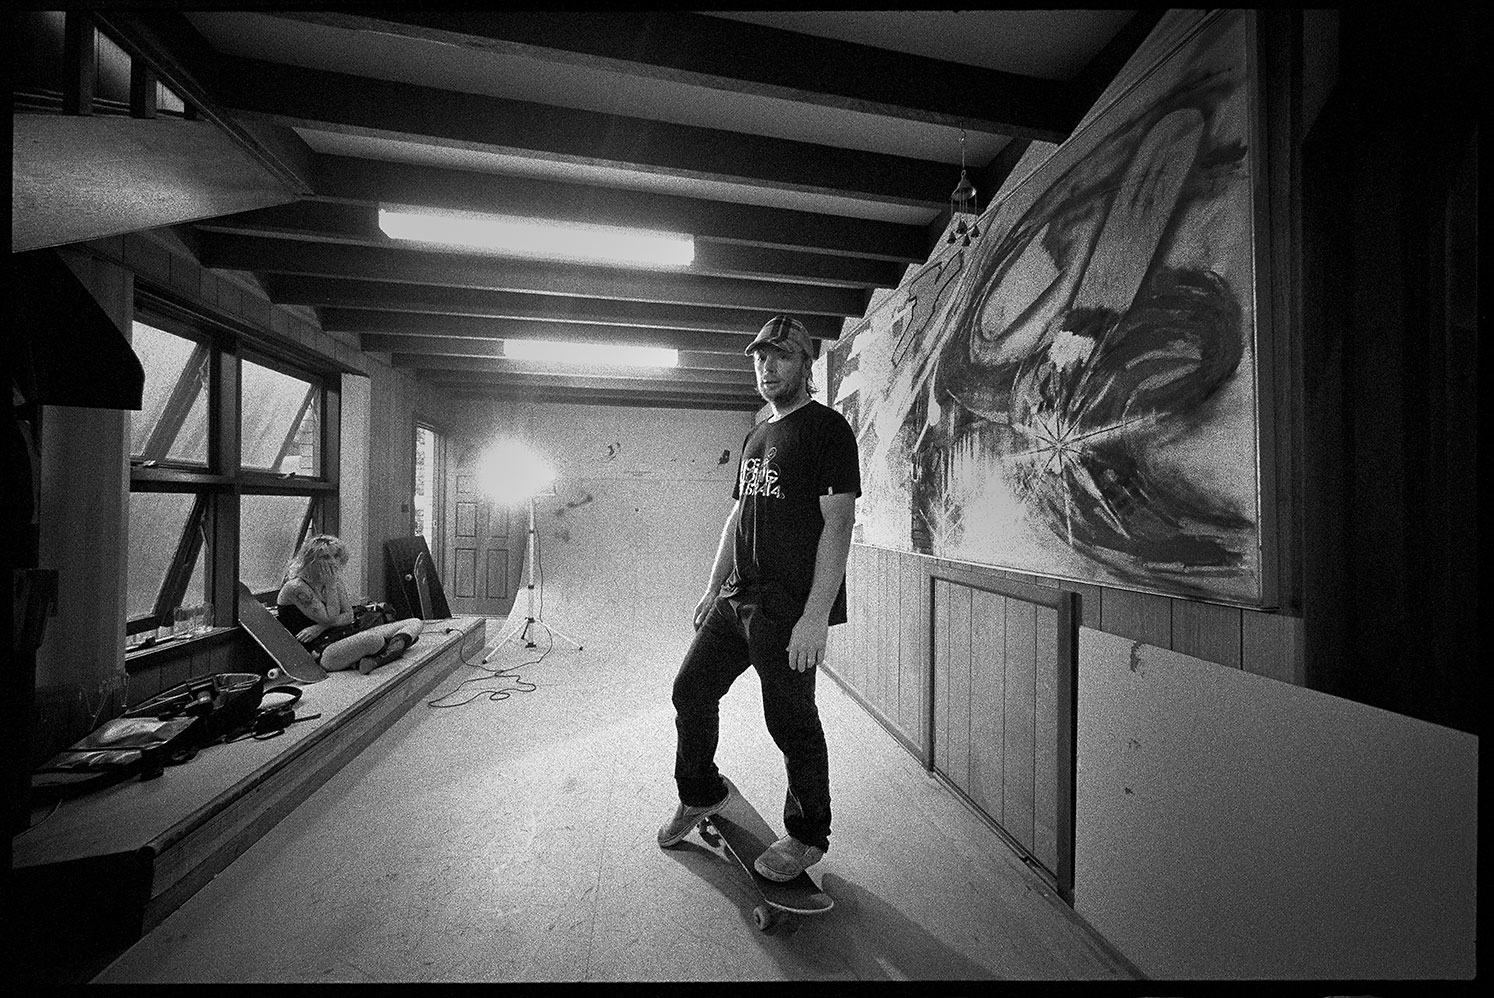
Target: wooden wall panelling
(1088, 610)
(987, 698)
(1271, 646)
(890, 627)
(957, 762)
(864, 640)
(833, 639)
(856, 616)
(1045, 762)
(1020, 726)
(939, 715)
(177, 670)
(142, 685)
(1141, 617)
(871, 648)
(1068, 746)
(912, 650)
(866, 662)
(1207, 631)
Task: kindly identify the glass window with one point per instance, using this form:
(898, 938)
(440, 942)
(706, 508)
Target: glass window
(184, 490)
(279, 428)
(270, 529)
(172, 422)
(425, 485)
(191, 444)
(157, 520)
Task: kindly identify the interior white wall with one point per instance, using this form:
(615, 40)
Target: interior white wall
(641, 496)
(1231, 826)
(353, 490)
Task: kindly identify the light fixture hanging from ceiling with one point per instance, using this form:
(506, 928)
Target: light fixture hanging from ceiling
(962, 202)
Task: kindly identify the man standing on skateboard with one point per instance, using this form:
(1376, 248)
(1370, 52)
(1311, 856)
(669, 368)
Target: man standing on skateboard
(777, 584)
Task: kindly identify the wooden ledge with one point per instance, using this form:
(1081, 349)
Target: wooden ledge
(109, 866)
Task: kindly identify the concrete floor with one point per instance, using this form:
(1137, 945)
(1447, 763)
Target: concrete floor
(513, 840)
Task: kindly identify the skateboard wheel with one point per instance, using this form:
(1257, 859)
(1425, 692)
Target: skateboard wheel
(764, 918)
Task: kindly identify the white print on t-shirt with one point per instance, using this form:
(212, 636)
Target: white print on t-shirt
(760, 476)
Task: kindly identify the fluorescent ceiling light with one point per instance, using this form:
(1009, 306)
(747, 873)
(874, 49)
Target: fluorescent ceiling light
(541, 238)
(601, 354)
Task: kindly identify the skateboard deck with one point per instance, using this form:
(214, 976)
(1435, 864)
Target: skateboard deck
(279, 643)
(740, 832)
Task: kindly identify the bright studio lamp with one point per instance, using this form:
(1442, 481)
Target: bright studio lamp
(510, 474)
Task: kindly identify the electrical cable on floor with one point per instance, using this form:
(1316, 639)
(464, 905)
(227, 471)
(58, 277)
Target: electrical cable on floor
(507, 672)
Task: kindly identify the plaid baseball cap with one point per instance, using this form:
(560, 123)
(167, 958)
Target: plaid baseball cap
(783, 331)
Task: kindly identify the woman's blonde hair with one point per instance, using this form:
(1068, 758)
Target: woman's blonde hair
(323, 546)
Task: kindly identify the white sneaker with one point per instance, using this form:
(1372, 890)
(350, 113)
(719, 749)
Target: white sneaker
(687, 817)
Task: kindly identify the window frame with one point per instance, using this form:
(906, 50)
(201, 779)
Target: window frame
(213, 528)
(438, 499)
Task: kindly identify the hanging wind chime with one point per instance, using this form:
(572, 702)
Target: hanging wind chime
(962, 201)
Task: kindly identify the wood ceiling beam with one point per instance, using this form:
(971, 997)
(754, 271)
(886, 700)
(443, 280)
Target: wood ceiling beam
(1092, 80)
(392, 260)
(454, 346)
(626, 398)
(988, 181)
(435, 282)
(361, 186)
(326, 293)
(1084, 90)
(676, 378)
(636, 382)
(376, 329)
(183, 60)
(299, 97)
(762, 263)
(732, 56)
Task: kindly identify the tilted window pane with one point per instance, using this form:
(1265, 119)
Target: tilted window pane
(268, 528)
(156, 522)
(173, 413)
(279, 425)
(190, 445)
(196, 594)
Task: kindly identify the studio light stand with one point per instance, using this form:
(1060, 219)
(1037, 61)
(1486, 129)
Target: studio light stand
(522, 631)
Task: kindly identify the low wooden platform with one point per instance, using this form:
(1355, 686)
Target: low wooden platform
(100, 871)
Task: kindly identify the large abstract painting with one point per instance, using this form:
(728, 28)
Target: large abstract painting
(1075, 393)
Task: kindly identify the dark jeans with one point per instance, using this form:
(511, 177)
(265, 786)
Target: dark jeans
(737, 633)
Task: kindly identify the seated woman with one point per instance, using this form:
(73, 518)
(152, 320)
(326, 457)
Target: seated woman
(313, 605)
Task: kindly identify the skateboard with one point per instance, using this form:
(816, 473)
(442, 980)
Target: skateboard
(280, 644)
(741, 833)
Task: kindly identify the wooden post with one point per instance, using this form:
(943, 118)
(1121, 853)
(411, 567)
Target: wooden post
(80, 63)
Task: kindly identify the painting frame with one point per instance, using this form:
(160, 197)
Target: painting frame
(1167, 64)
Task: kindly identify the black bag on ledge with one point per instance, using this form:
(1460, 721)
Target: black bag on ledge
(222, 703)
(167, 729)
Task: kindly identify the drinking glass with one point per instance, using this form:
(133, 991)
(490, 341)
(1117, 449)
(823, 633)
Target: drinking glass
(181, 621)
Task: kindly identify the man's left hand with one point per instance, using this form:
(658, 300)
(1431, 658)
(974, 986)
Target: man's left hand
(806, 648)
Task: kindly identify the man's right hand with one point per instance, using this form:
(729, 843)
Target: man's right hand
(703, 608)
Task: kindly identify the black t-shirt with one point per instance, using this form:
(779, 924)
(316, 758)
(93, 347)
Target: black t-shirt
(784, 469)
